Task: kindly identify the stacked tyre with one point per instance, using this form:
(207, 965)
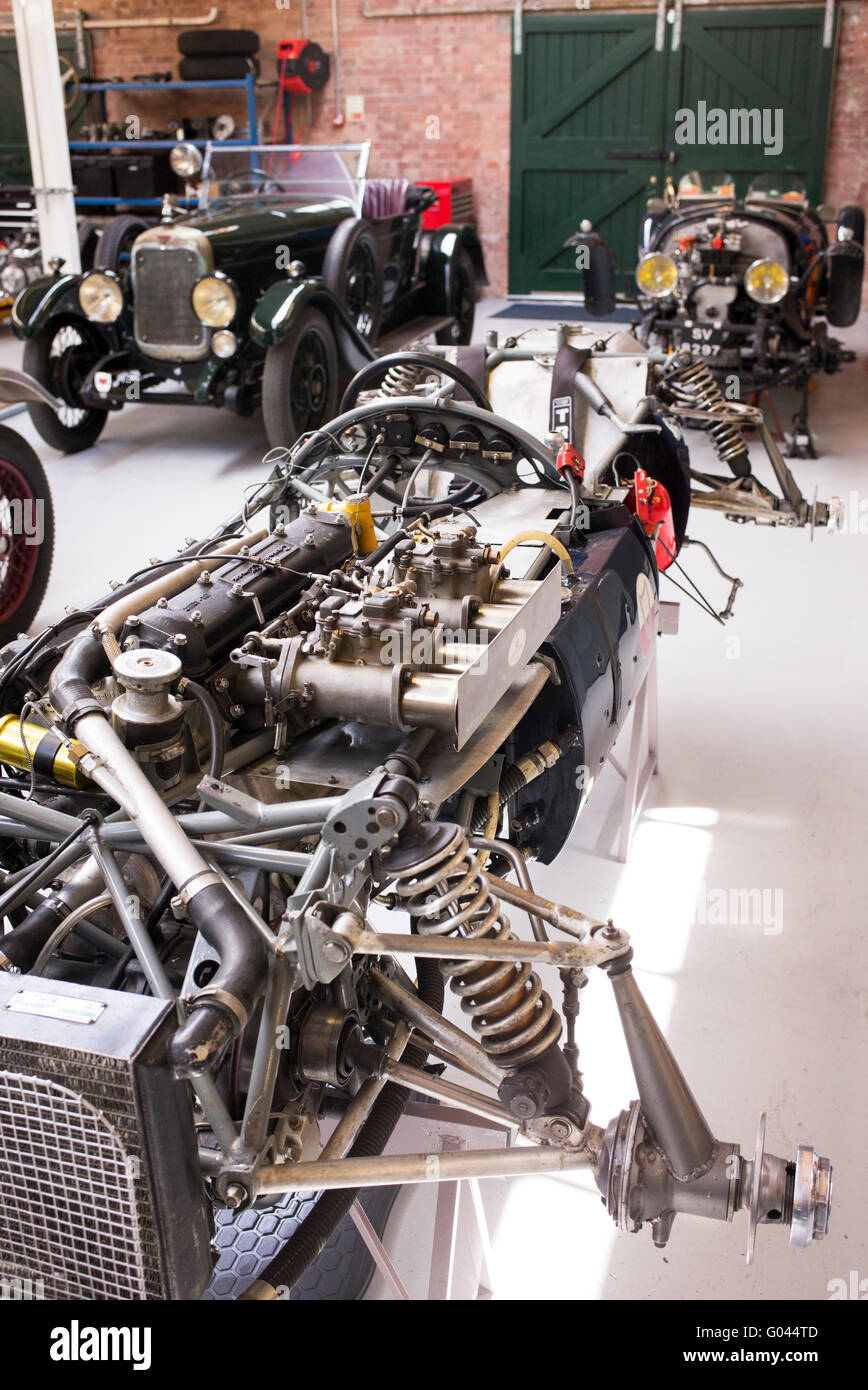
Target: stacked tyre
(213, 55)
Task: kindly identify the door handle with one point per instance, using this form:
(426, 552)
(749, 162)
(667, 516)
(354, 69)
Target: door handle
(654, 154)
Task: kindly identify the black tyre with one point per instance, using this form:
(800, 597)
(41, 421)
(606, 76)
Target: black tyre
(853, 218)
(351, 270)
(60, 357)
(237, 42)
(216, 69)
(462, 302)
(845, 265)
(26, 534)
(116, 243)
(300, 381)
(88, 240)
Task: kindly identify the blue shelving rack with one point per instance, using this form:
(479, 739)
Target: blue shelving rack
(246, 84)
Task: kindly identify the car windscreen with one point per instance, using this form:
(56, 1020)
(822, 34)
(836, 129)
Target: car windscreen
(778, 188)
(298, 173)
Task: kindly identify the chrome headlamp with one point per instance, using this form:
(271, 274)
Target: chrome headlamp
(656, 275)
(766, 281)
(100, 296)
(186, 160)
(215, 300)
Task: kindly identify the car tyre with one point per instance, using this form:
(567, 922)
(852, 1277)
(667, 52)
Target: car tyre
(300, 380)
(462, 303)
(59, 362)
(116, 242)
(351, 270)
(24, 569)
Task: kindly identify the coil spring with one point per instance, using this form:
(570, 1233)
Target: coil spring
(697, 383)
(399, 380)
(445, 895)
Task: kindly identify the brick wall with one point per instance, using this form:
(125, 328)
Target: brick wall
(455, 68)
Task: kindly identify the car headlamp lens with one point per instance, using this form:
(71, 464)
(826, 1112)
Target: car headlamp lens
(12, 280)
(101, 297)
(657, 275)
(766, 281)
(186, 161)
(214, 301)
(224, 343)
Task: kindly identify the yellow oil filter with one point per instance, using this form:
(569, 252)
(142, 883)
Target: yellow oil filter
(49, 755)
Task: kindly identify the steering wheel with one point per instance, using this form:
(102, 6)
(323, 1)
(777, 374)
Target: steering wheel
(69, 79)
(373, 370)
(235, 182)
(474, 444)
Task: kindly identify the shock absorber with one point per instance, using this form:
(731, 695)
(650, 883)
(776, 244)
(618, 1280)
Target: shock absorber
(439, 881)
(702, 391)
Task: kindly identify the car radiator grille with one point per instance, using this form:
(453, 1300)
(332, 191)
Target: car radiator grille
(101, 1196)
(164, 279)
(71, 1216)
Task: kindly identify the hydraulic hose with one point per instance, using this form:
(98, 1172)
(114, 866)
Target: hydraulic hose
(215, 725)
(310, 1238)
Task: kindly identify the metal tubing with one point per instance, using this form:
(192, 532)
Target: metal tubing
(450, 1091)
(267, 1057)
(247, 907)
(215, 1111)
(360, 1107)
(668, 1104)
(434, 1025)
(146, 952)
(558, 953)
(389, 1169)
(154, 821)
(519, 864)
(566, 919)
(786, 482)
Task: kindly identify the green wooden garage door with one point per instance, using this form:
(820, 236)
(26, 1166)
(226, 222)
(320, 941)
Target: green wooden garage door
(586, 88)
(14, 153)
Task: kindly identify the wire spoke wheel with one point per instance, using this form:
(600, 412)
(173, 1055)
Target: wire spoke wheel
(361, 292)
(300, 380)
(60, 357)
(462, 302)
(26, 534)
(69, 360)
(310, 380)
(18, 554)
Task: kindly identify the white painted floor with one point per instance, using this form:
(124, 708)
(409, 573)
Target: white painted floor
(764, 762)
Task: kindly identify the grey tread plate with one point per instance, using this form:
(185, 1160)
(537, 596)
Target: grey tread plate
(248, 1241)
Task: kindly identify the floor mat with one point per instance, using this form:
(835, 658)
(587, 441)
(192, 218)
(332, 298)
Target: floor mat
(248, 1241)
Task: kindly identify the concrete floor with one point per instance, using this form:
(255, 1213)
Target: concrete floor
(761, 786)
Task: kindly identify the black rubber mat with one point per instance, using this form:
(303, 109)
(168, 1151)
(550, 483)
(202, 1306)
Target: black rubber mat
(247, 1242)
(563, 313)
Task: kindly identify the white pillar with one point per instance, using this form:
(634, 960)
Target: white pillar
(46, 131)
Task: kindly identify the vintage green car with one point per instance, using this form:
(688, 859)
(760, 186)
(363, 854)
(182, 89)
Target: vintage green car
(272, 292)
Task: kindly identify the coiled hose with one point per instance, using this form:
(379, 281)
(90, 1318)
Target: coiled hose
(309, 1240)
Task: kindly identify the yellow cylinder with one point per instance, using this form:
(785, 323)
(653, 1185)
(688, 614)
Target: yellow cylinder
(358, 509)
(50, 757)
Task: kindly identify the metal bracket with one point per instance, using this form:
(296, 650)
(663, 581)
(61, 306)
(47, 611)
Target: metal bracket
(362, 822)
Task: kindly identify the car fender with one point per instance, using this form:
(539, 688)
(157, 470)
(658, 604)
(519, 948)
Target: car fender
(42, 300)
(279, 307)
(439, 252)
(17, 387)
